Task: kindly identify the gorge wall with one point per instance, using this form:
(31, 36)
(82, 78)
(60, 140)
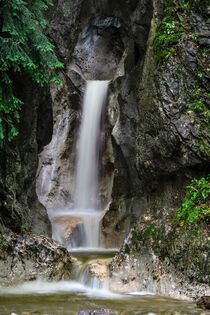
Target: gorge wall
(155, 141)
(20, 209)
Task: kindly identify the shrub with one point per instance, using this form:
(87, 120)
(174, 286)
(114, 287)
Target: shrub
(24, 48)
(195, 208)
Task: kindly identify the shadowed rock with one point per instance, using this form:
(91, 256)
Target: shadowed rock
(99, 49)
(204, 302)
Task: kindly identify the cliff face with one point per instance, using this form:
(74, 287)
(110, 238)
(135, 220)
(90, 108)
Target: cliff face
(167, 147)
(159, 135)
(155, 137)
(20, 209)
(100, 41)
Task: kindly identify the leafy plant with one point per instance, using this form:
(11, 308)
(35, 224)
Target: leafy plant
(194, 36)
(200, 74)
(167, 34)
(198, 100)
(24, 49)
(66, 9)
(198, 107)
(204, 55)
(127, 249)
(195, 207)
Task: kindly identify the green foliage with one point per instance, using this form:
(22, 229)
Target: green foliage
(127, 249)
(198, 6)
(24, 48)
(66, 9)
(195, 208)
(198, 100)
(167, 34)
(200, 74)
(171, 28)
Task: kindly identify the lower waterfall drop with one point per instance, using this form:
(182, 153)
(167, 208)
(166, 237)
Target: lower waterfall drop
(87, 203)
(85, 217)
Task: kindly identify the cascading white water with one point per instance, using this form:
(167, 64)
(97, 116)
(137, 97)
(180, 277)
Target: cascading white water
(87, 203)
(88, 146)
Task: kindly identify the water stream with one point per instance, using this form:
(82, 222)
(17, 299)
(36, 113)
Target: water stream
(87, 207)
(90, 287)
(87, 203)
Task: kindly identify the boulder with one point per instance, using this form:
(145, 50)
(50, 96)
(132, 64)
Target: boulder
(32, 257)
(204, 302)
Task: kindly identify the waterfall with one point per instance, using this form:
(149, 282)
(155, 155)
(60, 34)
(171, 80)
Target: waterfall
(87, 203)
(86, 197)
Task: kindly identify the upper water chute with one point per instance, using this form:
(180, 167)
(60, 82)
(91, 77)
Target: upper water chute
(86, 192)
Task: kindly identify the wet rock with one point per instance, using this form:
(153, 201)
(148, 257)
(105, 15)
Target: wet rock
(65, 230)
(204, 302)
(31, 257)
(156, 135)
(95, 56)
(158, 258)
(99, 268)
(55, 173)
(102, 311)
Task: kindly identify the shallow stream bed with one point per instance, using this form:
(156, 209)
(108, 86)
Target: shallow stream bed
(69, 297)
(70, 303)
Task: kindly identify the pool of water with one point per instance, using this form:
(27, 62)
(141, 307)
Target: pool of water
(71, 297)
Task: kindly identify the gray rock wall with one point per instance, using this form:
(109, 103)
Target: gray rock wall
(158, 139)
(152, 137)
(20, 209)
(100, 40)
(170, 147)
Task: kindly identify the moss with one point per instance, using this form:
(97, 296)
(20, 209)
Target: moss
(127, 249)
(182, 242)
(197, 102)
(168, 32)
(184, 249)
(171, 28)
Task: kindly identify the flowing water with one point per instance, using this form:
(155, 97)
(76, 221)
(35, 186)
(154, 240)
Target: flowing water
(68, 298)
(87, 203)
(86, 195)
(86, 293)
(90, 289)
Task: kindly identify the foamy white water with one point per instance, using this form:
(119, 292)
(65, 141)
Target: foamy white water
(86, 196)
(60, 287)
(93, 288)
(87, 202)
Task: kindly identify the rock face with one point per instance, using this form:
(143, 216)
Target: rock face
(55, 174)
(161, 258)
(105, 33)
(160, 149)
(155, 138)
(95, 56)
(158, 137)
(32, 257)
(20, 209)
